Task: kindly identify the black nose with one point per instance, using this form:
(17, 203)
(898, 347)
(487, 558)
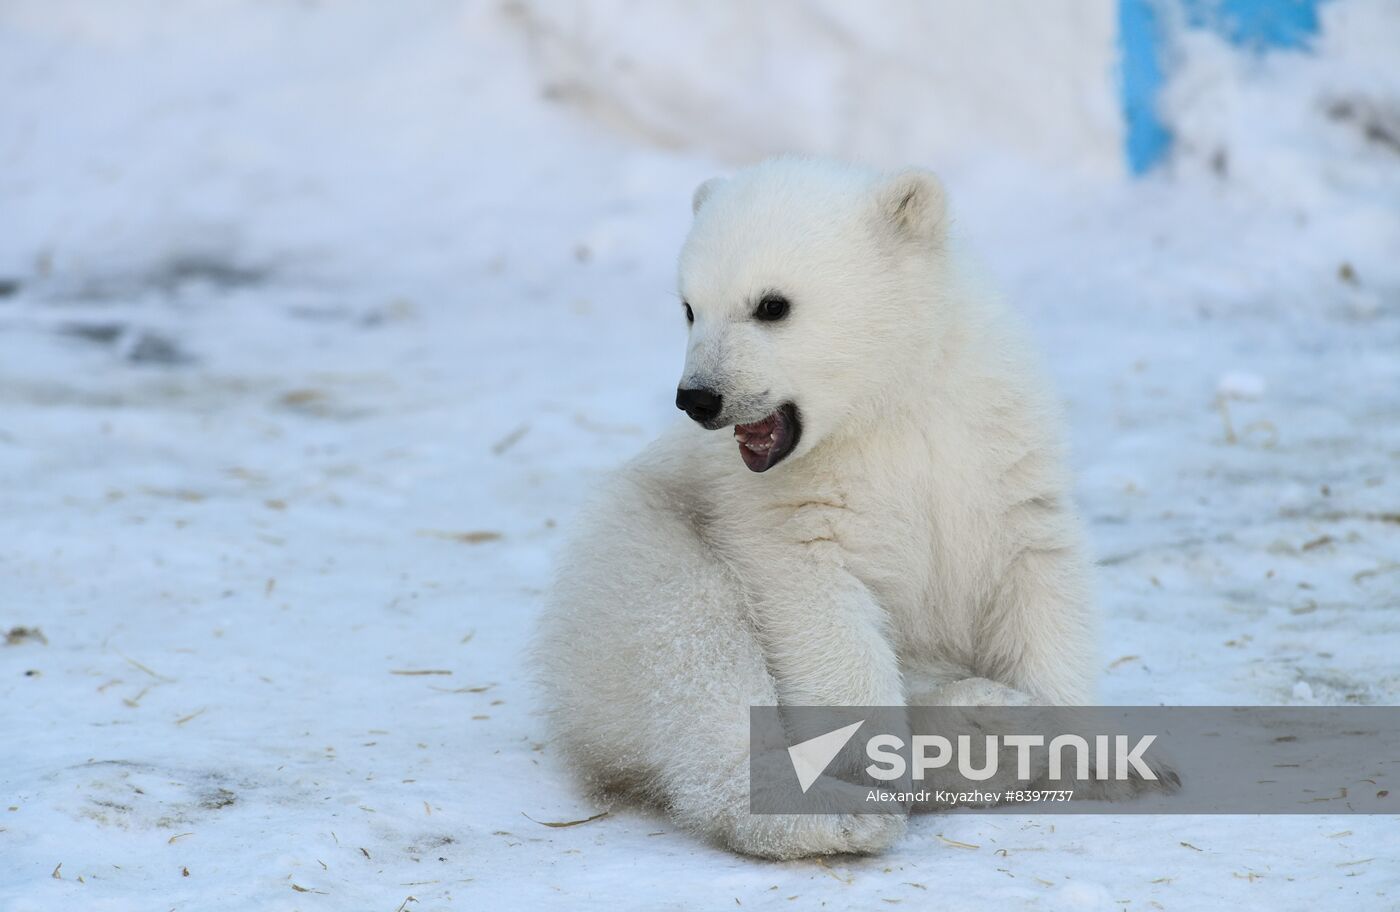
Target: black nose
(700, 404)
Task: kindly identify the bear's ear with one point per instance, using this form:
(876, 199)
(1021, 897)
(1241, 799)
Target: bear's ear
(703, 192)
(911, 202)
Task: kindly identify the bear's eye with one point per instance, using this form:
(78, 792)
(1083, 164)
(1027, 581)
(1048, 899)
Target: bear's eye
(772, 307)
(689, 314)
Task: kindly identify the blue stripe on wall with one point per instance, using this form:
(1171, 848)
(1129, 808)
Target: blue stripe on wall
(1257, 25)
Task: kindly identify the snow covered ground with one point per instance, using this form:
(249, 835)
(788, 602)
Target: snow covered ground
(317, 321)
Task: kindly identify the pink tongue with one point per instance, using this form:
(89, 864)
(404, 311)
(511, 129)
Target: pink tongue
(763, 434)
(756, 462)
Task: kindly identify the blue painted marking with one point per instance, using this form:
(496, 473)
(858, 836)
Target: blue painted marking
(1255, 25)
(1141, 39)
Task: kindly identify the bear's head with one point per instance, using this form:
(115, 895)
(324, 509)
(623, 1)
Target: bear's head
(807, 286)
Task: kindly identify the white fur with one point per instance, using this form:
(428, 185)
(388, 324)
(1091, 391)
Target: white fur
(917, 546)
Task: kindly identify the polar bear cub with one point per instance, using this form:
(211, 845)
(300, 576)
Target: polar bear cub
(865, 505)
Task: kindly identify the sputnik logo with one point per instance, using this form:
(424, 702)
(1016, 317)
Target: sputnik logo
(810, 758)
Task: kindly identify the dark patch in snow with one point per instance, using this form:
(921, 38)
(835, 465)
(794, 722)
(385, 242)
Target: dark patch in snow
(171, 276)
(184, 268)
(100, 333)
(218, 798)
(1380, 125)
(134, 795)
(138, 346)
(153, 348)
(426, 845)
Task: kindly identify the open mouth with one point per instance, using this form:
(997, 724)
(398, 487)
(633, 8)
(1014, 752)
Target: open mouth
(766, 443)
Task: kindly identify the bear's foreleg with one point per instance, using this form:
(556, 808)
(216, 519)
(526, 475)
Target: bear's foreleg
(826, 638)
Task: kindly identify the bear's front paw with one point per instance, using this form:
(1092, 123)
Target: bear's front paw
(870, 834)
(1164, 780)
(788, 836)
